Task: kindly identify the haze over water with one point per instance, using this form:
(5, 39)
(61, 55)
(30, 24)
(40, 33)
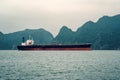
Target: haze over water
(59, 65)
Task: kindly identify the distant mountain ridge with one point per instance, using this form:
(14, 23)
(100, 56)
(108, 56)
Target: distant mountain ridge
(10, 41)
(103, 34)
(64, 36)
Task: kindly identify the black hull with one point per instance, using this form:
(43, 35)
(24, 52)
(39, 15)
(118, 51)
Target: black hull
(56, 47)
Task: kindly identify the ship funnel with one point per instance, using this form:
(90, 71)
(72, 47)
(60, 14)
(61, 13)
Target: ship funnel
(23, 39)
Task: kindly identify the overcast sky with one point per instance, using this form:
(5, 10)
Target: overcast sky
(16, 15)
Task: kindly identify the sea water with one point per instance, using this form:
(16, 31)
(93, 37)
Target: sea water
(60, 65)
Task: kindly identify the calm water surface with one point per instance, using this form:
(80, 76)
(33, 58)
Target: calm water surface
(59, 65)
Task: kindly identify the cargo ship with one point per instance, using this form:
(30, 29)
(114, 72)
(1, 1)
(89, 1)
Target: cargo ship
(29, 45)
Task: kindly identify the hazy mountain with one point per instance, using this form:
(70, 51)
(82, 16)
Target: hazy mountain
(104, 34)
(2, 41)
(40, 36)
(65, 36)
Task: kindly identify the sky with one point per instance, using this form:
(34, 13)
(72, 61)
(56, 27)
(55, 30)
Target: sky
(17, 15)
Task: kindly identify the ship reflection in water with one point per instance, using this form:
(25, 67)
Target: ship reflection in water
(29, 45)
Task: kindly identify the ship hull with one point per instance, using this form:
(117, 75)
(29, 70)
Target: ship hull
(56, 47)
